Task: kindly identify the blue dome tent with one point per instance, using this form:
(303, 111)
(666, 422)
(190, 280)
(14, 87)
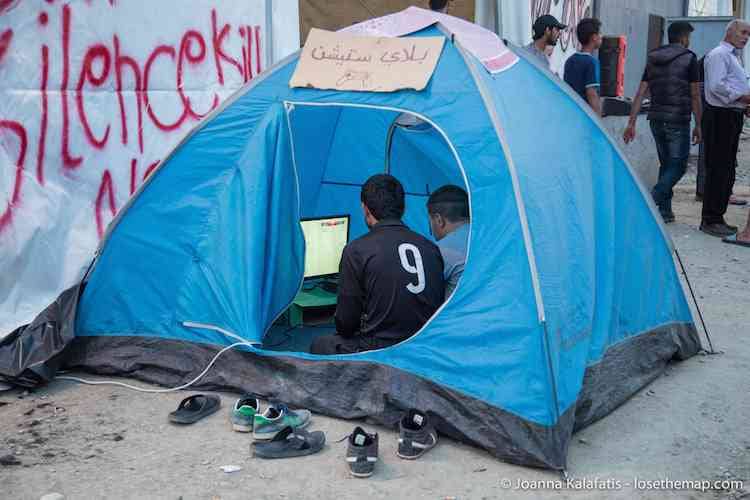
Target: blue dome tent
(569, 303)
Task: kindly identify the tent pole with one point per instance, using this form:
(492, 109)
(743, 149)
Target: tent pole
(388, 145)
(697, 307)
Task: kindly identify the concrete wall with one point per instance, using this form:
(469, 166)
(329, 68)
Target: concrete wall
(630, 18)
(641, 152)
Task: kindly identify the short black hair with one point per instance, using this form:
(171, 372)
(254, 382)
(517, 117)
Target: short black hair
(383, 195)
(588, 27)
(451, 202)
(679, 29)
(438, 4)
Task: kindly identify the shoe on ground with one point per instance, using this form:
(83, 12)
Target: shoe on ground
(362, 453)
(244, 412)
(734, 200)
(276, 418)
(417, 435)
(667, 216)
(720, 230)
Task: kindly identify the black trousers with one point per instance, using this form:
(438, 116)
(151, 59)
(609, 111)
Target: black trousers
(721, 138)
(336, 344)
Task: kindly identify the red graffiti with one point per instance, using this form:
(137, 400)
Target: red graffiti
(572, 12)
(257, 49)
(6, 5)
(87, 74)
(168, 50)
(69, 161)
(107, 64)
(120, 62)
(185, 53)
(18, 129)
(219, 54)
(133, 173)
(150, 169)
(5, 39)
(106, 188)
(43, 121)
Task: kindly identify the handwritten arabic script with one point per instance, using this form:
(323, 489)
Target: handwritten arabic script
(374, 64)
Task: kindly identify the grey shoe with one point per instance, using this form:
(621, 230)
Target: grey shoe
(417, 435)
(276, 418)
(362, 453)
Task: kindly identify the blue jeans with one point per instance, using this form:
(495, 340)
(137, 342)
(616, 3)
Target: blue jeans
(673, 147)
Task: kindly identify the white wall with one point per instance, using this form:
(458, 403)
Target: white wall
(285, 28)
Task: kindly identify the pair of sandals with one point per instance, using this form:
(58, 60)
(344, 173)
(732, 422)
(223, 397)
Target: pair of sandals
(287, 443)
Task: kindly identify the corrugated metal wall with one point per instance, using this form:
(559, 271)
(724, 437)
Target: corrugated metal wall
(631, 18)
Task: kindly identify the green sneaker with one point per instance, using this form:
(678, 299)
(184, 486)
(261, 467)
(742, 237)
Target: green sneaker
(276, 418)
(244, 412)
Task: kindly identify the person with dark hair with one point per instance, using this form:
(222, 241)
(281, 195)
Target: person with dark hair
(448, 210)
(672, 75)
(439, 6)
(582, 68)
(546, 32)
(390, 279)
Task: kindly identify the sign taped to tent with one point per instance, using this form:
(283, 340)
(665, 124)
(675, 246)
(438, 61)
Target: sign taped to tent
(369, 64)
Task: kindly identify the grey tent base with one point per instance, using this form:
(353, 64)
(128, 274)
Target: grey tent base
(355, 389)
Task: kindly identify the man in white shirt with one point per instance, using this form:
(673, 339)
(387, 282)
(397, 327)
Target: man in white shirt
(727, 96)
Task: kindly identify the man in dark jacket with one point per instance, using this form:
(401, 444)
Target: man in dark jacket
(390, 279)
(672, 75)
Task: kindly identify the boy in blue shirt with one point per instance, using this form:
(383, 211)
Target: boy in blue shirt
(448, 210)
(582, 68)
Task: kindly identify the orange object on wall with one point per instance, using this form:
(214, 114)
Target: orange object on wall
(612, 64)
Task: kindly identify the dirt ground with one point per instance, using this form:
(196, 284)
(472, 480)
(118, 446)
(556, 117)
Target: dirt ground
(690, 424)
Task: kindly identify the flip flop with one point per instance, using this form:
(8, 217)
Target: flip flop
(291, 443)
(732, 240)
(194, 408)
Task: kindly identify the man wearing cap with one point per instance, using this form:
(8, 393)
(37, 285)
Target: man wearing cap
(546, 32)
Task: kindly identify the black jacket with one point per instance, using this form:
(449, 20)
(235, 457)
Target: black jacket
(390, 283)
(669, 72)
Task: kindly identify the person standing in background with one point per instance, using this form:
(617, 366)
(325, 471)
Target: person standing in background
(546, 33)
(672, 75)
(439, 6)
(582, 68)
(727, 97)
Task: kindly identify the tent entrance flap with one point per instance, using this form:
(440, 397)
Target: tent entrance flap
(236, 261)
(337, 147)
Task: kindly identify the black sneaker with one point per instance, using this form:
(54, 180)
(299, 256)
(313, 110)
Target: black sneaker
(719, 229)
(362, 453)
(667, 216)
(417, 435)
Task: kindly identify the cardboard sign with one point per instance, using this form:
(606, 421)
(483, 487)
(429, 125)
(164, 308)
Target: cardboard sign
(368, 64)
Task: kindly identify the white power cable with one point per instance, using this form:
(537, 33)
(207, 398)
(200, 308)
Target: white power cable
(154, 391)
